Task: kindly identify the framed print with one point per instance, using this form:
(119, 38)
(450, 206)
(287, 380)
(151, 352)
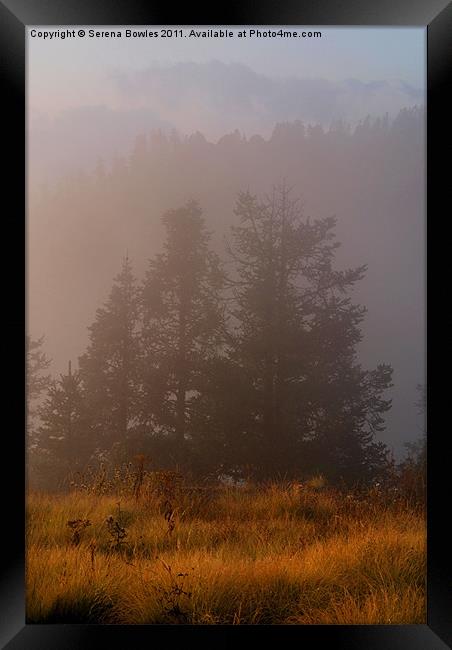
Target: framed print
(219, 269)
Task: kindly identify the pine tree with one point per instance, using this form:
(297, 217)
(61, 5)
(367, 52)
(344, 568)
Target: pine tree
(412, 470)
(109, 367)
(295, 341)
(65, 439)
(37, 381)
(182, 327)
(36, 364)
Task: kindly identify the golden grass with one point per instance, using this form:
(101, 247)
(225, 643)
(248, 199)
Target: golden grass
(277, 555)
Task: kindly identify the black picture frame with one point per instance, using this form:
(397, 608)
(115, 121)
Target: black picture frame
(15, 15)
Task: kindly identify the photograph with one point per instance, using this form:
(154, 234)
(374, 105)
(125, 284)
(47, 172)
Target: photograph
(226, 393)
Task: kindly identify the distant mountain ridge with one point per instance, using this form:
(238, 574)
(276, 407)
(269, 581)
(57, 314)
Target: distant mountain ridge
(233, 95)
(214, 98)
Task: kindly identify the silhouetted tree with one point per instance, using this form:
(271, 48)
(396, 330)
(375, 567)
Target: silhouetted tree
(295, 341)
(417, 450)
(37, 382)
(182, 326)
(412, 470)
(65, 438)
(109, 367)
(36, 364)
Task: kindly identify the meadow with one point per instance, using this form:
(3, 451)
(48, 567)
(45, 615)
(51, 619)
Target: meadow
(150, 549)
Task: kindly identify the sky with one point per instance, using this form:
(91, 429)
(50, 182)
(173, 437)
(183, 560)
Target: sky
(88, 97)
(63, 73)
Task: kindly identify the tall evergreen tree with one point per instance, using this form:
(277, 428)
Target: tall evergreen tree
(182, 327)
(412, 470)
(109, 367)
(37, 379)
(65, 437)
(37, 382)
(295, 341)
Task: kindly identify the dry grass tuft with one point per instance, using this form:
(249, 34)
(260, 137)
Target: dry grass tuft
(284, 554)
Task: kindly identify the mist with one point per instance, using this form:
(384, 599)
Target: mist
(370, 177)
(211, 97)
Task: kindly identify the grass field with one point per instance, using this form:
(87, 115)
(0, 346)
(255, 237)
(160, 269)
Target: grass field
(281, 554)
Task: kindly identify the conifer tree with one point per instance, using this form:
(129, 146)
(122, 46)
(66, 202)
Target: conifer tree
(37, 379)
(37, 382)
(295, 339)
(109, 367)
(65, 437)
(182, 327)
